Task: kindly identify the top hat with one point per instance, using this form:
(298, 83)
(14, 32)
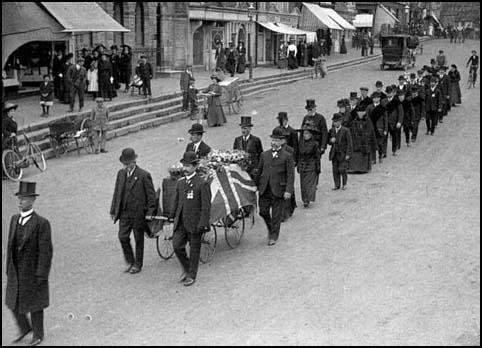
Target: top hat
(282, 115)
(10, 106)
(379, 84)
(246, 121)
(277, 133)
(413, 76)
(364, 88)
(189, 157)
(196, 128)
(113, 47)
(376, 94)
(128, 155)
(26, 188)
(389, 89)
(337, 117)
(401, 77)
(353, 95)
(340, 103)
(310, 104)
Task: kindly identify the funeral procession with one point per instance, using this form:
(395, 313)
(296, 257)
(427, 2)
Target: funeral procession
(240, 173)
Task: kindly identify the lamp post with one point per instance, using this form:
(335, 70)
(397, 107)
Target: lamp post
(251, 12)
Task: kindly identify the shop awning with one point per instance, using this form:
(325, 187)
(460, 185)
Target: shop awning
(287, 30)
(363, 20)
(338, 19)
(313, 17)
(82, 17)
(431, 14)
(389, 13)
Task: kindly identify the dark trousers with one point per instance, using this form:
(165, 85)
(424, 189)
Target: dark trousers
(146, 86)
(179, 239)
(407, 130)
(382, 146)
(415, 130)
(185, 99)
(431, 119)
(126, 225)
(339, 171)
(268, 201)
(37, 325)
(371, 49)
(59, 87)
(395, 135)
(76, 91)
(364, 51)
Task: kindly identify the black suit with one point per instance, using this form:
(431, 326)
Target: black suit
(433, 105)
(379, 118)
(395, 116)
(191, 212)
(202, 151)
(292, 141)
(444, 86)
(253, 147)
(342, 147)
(275, 177)
(134, 198)
(186, 78)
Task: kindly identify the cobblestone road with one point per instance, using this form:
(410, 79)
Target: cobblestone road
(395, 259)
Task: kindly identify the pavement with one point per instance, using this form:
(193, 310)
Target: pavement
(29, 110)
(393, 260)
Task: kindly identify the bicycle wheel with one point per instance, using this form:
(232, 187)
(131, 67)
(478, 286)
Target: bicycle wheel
(38, 157)
(208, 245)
(11, 167)
(87, 142)
(235, 231)
(164, 245)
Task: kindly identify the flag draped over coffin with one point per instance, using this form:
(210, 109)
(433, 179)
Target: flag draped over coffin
(231, 189)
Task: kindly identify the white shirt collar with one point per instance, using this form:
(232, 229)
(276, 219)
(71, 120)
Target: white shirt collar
(129, 173)
(337, 128)
(26, 213)
(376, 104)
(189, 177)
(245, 138)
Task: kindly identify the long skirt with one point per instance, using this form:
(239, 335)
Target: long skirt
(292, 63)
(455, 94)
(241, 65)
(360, 162)
(308, 183)
(106, 89)
(215, 115)
(282, 63)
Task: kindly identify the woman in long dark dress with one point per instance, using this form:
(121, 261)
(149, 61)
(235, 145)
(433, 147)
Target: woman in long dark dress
(241, 57)
(454, 77)
(215, 115)
(292, 52)
(106, 78)
(364, 142)
(343, 45)
(308, 155)
(125, 63)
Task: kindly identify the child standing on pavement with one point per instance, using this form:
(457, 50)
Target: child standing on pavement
(192, 95)
(46, 95)
(100, 118)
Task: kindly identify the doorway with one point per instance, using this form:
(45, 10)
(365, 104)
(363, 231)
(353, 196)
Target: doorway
(197, 47)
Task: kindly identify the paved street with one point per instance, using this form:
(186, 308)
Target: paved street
(395, 259)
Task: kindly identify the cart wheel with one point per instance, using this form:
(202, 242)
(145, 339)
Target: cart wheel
(87, 142)
(235, 231)
(208, 245)
(10, 163)
(164, 245)
(58, 148)
(38, 158)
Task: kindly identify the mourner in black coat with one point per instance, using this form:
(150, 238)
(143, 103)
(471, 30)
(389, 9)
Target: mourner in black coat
(395, 118)
(250, 144)
(444, 86)
(291, 135)
(105, 72)
(341, 150)
(29, 258)
(199, 147)
(58, 72)
(408, 115)
(418, 103)
(307, 164)
(365, 100)
(146, 73)
(186, 78)
(378, 115)
(77, 77)
(190, 213)
(134, 202)
(275, 181)
(433, 105)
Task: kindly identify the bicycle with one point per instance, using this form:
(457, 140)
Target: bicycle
(472, 77)
(14, 161)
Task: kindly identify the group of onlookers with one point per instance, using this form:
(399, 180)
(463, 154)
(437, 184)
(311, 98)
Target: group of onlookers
(232, 59)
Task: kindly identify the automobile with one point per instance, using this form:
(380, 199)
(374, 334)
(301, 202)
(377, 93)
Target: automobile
(398, 51)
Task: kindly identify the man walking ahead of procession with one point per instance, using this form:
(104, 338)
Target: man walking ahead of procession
(29, 257)
(190, 214)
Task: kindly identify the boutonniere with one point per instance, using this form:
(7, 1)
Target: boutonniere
(135, 178)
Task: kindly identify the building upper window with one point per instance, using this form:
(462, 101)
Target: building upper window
(139, 24)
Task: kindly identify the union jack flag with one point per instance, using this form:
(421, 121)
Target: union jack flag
(231, 189)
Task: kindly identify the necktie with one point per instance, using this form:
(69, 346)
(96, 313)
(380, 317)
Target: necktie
(23, 218)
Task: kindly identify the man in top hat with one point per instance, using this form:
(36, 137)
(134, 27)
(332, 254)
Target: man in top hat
(444, 85)
(100, 120)
(378, 115)
(433, 105)
(134, 202)
(418, 103)
(344, 109)
(379, 89)
(340, 152)
(9, 126)
(29, 257)
(395, 118)
(146, 74)
(197, 145)
(77, 77)
(275, 180)
(58, 72)
(365, 100)
(186, 77)
(290, 133)
(320, 123)
(191, 213)
(249, 143)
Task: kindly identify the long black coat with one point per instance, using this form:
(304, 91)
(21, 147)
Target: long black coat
(195, 209)
(320, 123)
(394, 112)
(202, 151)
(27, 283)
(433, 100)
(343, 145)
(292, 141)
(141, 197)
(253, 147)
(379, 118)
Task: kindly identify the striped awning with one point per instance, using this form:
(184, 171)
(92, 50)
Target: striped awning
(313, 17)
(338, 19)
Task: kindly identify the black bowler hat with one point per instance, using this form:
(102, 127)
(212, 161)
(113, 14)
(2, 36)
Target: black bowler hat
(379, 84)
(363, 88)
(196, 128)
(113, 47)
(376, 94)
(282, 115)
(401, 77)
(128, 155)
(413, 76)
(310, 104)
(246, 121)
(337, 117)
(189, 157)
(353, 95)
(26, 188)
(277, 133)
(389, 89)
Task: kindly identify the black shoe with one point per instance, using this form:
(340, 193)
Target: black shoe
(306, 204)
(36, 341)
(128, 269)
(189, 282)
(135, 270)
(271, 242)
(427, 133)
(21, 336)
(183, 277)
(104, 151)
(336, 188)
(343, 187)
(431, 133)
